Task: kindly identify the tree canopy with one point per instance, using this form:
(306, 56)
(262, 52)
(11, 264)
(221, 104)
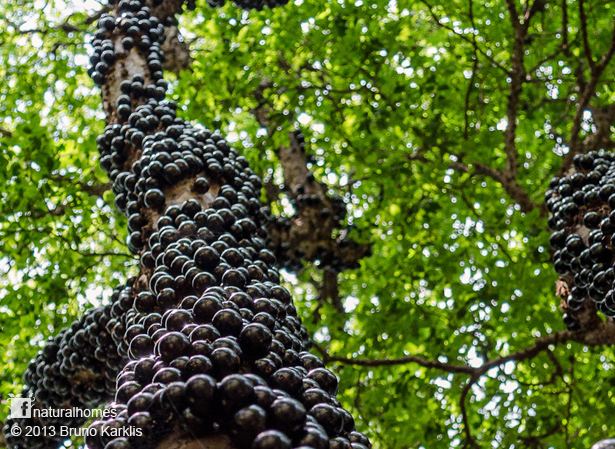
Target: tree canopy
(440, 124)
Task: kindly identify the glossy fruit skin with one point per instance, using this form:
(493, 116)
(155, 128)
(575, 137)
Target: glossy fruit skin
(255, 339)
(272, 439)
(581, 207)
(205, 337)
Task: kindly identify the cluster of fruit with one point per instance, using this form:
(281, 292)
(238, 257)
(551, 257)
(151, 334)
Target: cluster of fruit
(207, 338)
(77, 368)
(582, 207)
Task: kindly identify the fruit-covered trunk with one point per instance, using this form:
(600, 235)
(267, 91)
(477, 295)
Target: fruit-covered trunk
(203, 345)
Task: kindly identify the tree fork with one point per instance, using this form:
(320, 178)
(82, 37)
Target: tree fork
(310, 233)
(315, 232)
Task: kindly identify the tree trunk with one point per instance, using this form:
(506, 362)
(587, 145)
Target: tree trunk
(203, 347)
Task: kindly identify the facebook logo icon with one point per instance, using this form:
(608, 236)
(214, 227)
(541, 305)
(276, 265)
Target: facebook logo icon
(21, 408)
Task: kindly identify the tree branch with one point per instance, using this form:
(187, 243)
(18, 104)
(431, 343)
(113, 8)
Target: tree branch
(463, 37)
(588, 90)
(517, 76)
(66, 26)
(467, 429)
(510, 185)
(537, 6)
(466, 110)
(565, 43)
(602, 334)
(311, 233)
(315, 232)
(583, 25)
(422, 361)
(512, 13)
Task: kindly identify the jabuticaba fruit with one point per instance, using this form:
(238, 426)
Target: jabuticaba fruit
(77, 368)
(582, 207)
(206, 337)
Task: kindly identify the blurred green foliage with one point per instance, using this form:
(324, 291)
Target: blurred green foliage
(401, 103)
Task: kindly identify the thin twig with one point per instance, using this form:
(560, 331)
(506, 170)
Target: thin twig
(583, 25)
(467, 429)
(565, 43)
(510, 185)
(462, 36)
(451, 368)
(588, 91)
(466, 113)
(517, 76)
